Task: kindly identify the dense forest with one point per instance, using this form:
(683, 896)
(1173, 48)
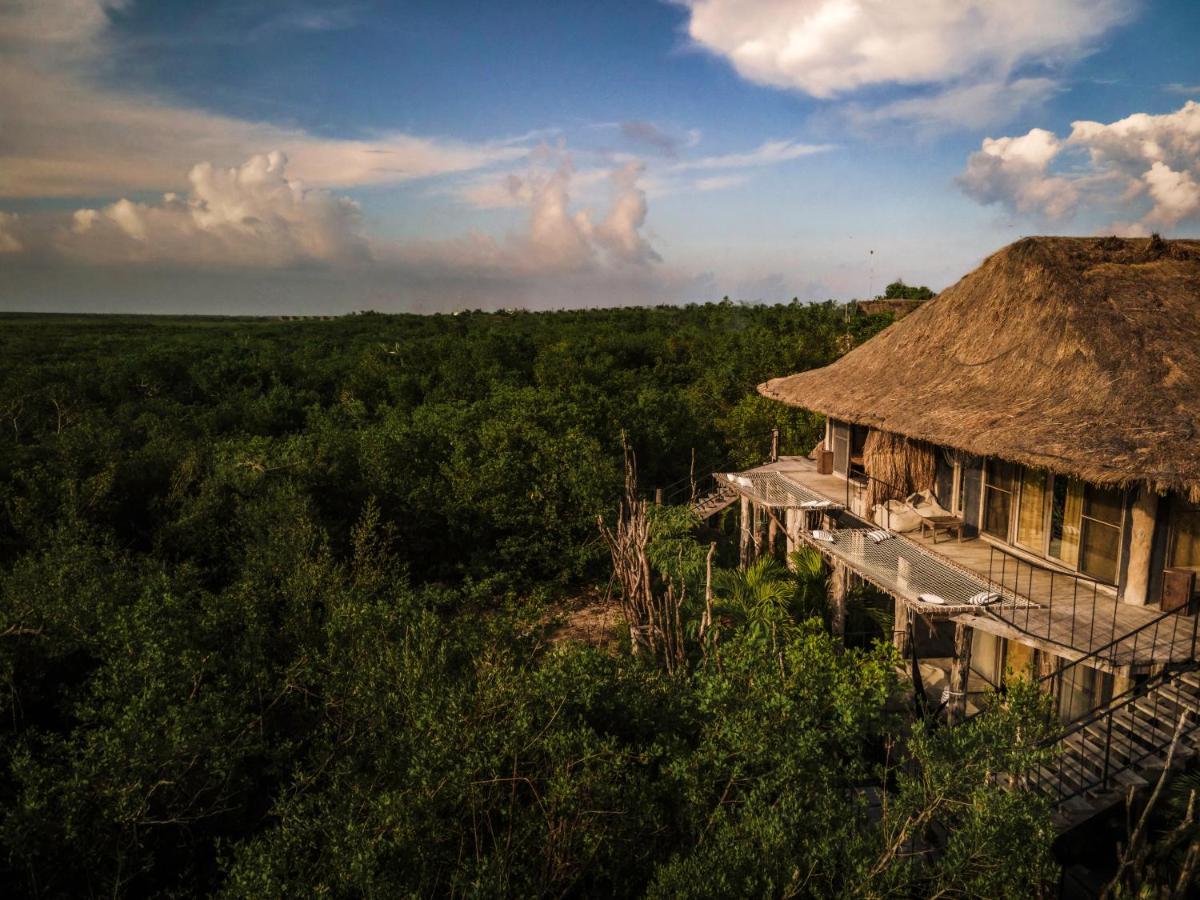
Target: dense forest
(276, 600)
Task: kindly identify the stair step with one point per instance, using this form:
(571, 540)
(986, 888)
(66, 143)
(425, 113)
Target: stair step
(1079, 805)
(1061, 779)
(1139, 724)
(1129, 778)
(1191, 679)
(1173, 702)
(1124, 750)
(1141, 721)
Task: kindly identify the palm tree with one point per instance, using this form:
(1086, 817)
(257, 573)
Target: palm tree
(756, 597)
(810, 597)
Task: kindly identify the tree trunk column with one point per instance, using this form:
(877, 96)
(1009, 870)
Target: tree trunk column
(956, 710)
(1144, 512)
(756, 540)
(900, 635)
(744, 524)
(839, 590)
(791, 524)
(772, 533)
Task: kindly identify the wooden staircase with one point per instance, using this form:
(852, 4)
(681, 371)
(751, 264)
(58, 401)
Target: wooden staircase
(721, 497)
(1120, 745)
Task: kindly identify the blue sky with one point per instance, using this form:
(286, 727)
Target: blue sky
(238, 156)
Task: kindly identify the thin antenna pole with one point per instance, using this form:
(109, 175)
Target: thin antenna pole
(871, 282)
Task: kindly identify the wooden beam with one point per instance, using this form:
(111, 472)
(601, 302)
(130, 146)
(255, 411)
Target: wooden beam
(959, 674)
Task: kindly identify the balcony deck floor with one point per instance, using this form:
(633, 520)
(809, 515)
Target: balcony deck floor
(1071, 621)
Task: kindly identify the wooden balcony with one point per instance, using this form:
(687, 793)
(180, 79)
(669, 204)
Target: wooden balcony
(1040, 606)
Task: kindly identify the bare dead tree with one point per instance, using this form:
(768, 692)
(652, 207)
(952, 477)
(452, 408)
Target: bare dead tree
(654, 616)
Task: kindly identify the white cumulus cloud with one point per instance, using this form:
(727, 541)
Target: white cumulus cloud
(828, 48)
(559, 237)
(1143, 169)
(250, 215)
(1014, 171)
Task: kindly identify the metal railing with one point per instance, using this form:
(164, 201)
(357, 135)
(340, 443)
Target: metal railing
(1133, 728)
(1075, 611)
(1052, 591)
(699, 481)
(1168, 639)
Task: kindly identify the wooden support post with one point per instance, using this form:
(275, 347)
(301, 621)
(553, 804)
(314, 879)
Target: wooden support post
(1048, 664)
(839, 590)
(774, 445)
(772, 535)
(756, 531)
(956, 710)
(658, 496)
(744, 531)
(900, 632)
(1141, 541)
(791, 527)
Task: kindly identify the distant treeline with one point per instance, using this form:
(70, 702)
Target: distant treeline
(488, 442)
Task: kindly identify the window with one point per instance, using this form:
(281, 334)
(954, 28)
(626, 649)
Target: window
(858, 443)
(841, 447)
(1100, 532)
(1066, 508)
(1184, 542)
(1031, 516)
(1082, 691)
(999, 482)
(987, 655)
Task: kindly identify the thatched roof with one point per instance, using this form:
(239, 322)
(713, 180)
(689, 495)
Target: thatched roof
(1080, 355)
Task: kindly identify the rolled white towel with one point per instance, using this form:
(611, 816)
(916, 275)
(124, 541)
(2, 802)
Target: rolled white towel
(822, 534)
(984, 598)
(932, 598)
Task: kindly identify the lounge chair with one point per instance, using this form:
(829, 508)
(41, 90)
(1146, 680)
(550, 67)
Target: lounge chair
(934, 517)
(897, 516)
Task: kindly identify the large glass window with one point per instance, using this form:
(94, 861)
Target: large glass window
(1031, 517)
(998, 487)
(1184, 546)
(1066, 508)
(841, 447)
(1083, 689)
(1100, 535)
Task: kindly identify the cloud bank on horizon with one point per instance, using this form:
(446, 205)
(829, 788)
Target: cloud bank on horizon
(100, 169)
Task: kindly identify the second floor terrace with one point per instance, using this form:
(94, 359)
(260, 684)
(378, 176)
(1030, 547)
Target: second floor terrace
(966, 579)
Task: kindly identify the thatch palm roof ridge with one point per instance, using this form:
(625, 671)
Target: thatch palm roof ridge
(1079, 355)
